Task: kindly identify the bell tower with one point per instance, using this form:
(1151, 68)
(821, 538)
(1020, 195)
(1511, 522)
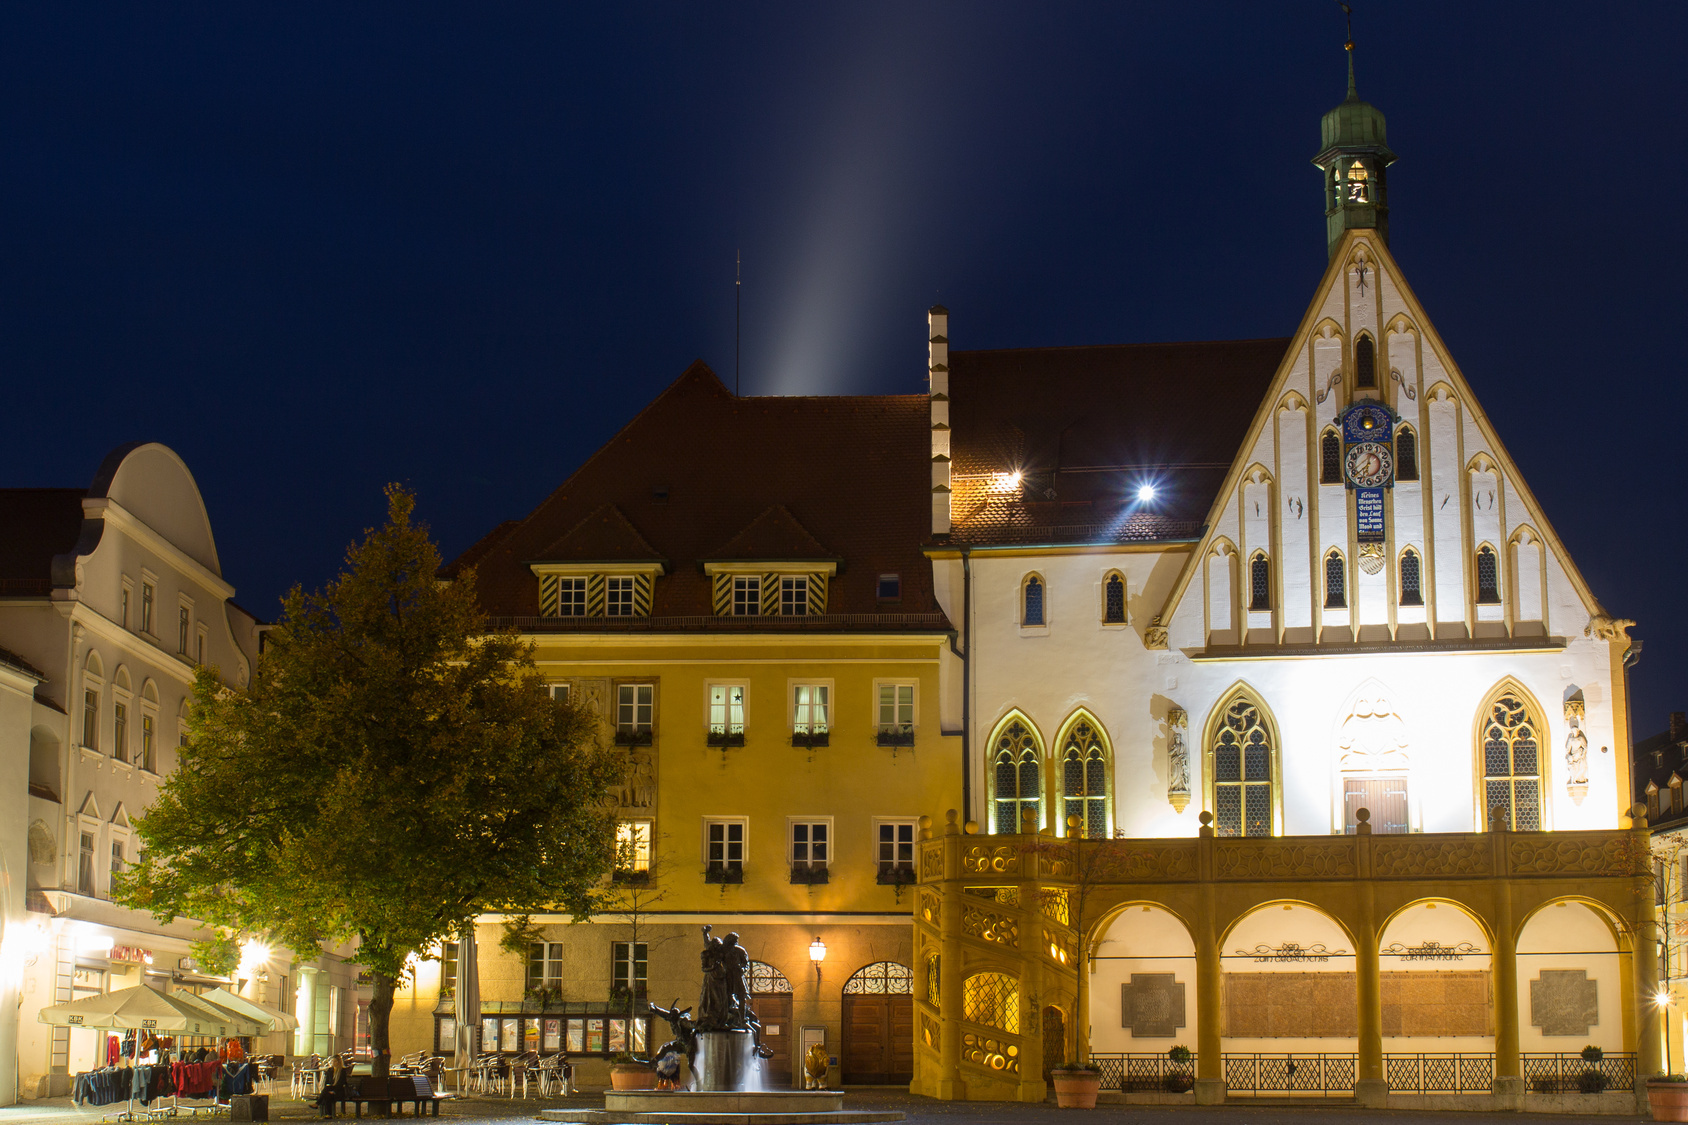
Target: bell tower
(1353, 158)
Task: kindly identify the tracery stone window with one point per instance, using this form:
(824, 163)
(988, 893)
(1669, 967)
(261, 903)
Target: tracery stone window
(1033, 599)
(1017, 776)
(1512, 763)
(1113, 609)
(1084, 781)
(1412, 592)
(1259, 582)
(1330, 458)
(1488, 577)
(1406, 454)
(1242, 772)
(1336, 585)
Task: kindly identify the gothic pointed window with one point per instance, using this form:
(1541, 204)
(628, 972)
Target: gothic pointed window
(1242, 772)
(1330, 458)
(1411, 590)
(1016, 776)
(1488, 577)
(1512, 780)
(1033, 593)
(1406, 454)
(1113, 609)
(1336, 587)
(1259, 583)
(1084, 781)
(1365, 362)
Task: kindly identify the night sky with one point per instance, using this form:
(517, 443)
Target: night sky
(316, 248)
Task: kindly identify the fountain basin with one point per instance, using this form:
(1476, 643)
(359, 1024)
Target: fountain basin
(720, 1107)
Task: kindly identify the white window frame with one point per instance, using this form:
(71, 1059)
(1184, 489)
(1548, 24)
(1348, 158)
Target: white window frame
(641, 831)
(743, 823)
(87, 826)
(649, 727)
(631, 961)
(913, 824)
(914, 701)
(614, 586)
(122, 698)
(571, 594)
(747, 596)
(546, 961)
(149, 604)
(797, 606)
(92, 682)
(831, 705)
(710, 687)
(560, 690)
(184, 625)
(125, 596)
(791, 823)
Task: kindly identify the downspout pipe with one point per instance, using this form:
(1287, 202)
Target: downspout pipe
(966, 684)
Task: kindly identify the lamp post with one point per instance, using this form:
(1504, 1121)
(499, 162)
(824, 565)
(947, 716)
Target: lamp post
(1661, 1000)
(817, 954)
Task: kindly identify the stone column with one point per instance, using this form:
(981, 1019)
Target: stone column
(1210, 1068)
(1508, 1084)
(950, 1085)
(1370, 1087)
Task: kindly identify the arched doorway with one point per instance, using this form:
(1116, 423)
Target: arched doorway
(1573, 990)
(1054, 1040)
(770, 999)
(879, 1025)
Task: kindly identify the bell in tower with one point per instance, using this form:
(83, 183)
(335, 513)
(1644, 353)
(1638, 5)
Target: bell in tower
(1353, 159)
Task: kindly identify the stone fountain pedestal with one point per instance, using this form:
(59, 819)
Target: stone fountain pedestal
(726, 1060)
(720, 1107)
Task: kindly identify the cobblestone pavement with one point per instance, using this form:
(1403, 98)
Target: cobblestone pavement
(920, 1111)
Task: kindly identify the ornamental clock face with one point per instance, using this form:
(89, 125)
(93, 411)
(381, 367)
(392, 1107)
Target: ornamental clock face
(1369, 464)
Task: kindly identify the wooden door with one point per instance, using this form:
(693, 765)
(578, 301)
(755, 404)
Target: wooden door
(878, 1039)
(1054, 1040)
(774, 1010)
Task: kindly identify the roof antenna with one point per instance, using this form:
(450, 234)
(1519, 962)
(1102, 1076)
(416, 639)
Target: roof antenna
(738, 286)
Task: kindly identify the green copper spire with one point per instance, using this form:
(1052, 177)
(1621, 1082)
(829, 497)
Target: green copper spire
(1353, 157)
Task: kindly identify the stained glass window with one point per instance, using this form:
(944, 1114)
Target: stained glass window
(1330, 458)
(1411, 591)
(1084, 781)
(1259, 583)
(1336, 588)
(1488, 577)
(1406, 454)
(1113, 612)
(1034, 601)
(1242, 773)
(992, 999)
(1512, 764)
(1018, 784)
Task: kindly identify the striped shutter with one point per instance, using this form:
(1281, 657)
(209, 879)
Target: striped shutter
(641, 595)
(770, 595)
(817, 593)
(548, 595)
(723, 595)
(595, 595)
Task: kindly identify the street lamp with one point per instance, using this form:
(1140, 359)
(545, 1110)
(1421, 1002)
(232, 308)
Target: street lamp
(817, 954)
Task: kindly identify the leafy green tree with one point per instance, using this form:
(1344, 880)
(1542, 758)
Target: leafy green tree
(392, 771)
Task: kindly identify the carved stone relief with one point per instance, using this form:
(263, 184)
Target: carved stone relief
(1576, 751)
(1564, 1002)
(1373, 737)
(1152, 1005)
(1177, 759)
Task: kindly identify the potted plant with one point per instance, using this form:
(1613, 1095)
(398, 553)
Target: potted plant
(1179, 1080)
(1591, 1053)
(1076, 1084)
(629, 1073)
(1667, 1096)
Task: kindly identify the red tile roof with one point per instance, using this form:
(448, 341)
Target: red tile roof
(1086, 426)
(603, 535)
(775, 534)
(698, 470)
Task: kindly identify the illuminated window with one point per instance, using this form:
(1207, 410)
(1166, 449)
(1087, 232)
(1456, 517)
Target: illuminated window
(633, 846)
(1242, 773)
(726, 714)
(1365, 358)
(747, 595)
(1336, 592)
(1488, 577)
(1033, 614)
(1017, 773)
(1512, 764)
(545, 964)
(810, 709)
(1411, 592)
(992, 999)
(1330, 458)
(896, 714)
(1406, 454)
(1113, 602)
(1084, 782)
(1259, 583)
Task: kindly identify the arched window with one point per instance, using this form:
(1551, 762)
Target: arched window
(882, 978)
(1033, 597)
(1365, 362)
(1084, 780)
(1512, 780)
(1113, 602)
(1336, 585)
(1016, 775)
(1488, 577)
(1412, 592)
(1406, 454)
(1330, 458)
(763, 979)
(1242, 772)
(1259, 582)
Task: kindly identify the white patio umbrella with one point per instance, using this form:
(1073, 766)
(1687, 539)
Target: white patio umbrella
(243, 1024)
(273, 1018)
(466, 1004)
(143, 1008)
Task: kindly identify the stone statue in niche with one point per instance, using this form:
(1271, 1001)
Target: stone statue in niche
(1373, 737)
(1177, 759)
(1576, 752)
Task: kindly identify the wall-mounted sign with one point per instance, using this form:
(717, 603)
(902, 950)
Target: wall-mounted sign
(1432, 951)
(1291, 951)
(133, 954)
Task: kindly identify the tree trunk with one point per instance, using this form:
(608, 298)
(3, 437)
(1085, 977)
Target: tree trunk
(380, 1009)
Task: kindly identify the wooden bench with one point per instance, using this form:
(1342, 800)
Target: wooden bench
(421, 1092)
(370, 1091)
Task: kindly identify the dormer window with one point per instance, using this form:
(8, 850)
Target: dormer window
(747, 595)
(794, 595)
(583, 590)
(786, 589)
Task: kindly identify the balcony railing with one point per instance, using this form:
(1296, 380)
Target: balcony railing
(1310, 1075)
(1135, 1074)
(1439, 1074)
(1567, 1073)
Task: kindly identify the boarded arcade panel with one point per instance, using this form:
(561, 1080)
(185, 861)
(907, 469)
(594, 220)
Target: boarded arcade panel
(1326, 1005)
(774, 1010)
(878, 1039)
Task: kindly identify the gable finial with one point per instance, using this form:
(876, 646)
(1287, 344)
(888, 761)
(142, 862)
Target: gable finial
(1348, 46)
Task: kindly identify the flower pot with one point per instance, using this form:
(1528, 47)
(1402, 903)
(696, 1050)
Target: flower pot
(632, 1076)
(1668, 1100)
(1076, 1089)
(1180, 1083)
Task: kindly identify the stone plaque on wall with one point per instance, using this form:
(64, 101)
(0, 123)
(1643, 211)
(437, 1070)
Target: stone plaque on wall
(1291, 1005)
(1152, 1005)
(1564, 1002)
(1439, 1003)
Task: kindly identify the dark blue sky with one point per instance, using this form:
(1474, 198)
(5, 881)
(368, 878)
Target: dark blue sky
(315, 248)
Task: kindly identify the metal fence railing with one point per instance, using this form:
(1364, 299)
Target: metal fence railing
(1311, 1075)
(1135, 1074)
(1569, 1073)
(1439, 1074)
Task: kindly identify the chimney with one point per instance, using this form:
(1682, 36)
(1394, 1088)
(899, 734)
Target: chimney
(937, 386)
(1678, 726)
